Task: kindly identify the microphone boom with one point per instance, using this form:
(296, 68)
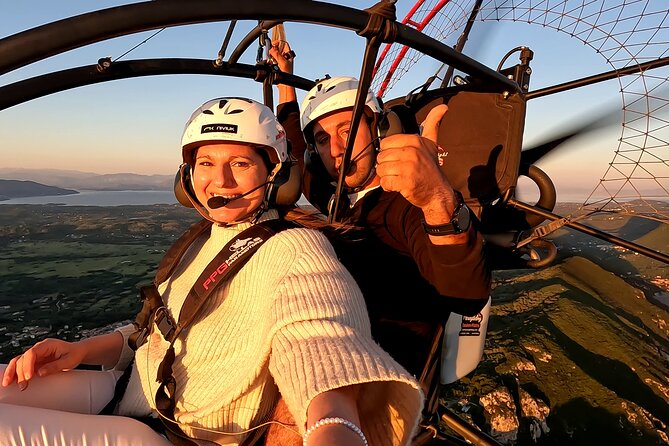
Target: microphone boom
(219, 202)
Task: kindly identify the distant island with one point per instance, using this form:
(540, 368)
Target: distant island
(20, 189)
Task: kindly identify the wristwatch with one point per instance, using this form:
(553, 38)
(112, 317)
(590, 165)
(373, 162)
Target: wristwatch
(460, 222)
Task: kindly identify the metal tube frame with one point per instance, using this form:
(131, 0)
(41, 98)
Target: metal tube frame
(36, 87)
(590, 80)
(54, 38)
(591, 231)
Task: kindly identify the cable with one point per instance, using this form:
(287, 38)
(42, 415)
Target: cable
(140, 44)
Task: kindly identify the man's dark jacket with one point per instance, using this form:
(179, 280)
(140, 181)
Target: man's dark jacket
(410, 284)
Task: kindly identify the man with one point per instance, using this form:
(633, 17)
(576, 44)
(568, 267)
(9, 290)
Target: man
(419, 257)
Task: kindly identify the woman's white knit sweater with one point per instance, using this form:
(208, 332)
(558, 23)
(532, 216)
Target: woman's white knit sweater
(292, 316)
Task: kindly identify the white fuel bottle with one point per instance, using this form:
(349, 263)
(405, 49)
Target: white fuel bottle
(462, 348)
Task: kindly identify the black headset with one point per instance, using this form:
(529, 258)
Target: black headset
(283, 190)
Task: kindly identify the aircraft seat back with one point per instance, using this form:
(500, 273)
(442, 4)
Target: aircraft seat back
(481, 135)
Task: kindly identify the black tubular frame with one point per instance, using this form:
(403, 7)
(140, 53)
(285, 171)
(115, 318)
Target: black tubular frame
(54, 38)
(601, 77)
(36, 87)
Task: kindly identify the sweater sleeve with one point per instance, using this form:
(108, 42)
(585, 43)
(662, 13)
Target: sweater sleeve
(127, 353)
(322, 341)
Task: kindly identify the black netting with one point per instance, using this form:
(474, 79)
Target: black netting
(625, 33)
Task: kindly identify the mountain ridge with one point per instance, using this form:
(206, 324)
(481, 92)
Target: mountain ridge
(74, 179)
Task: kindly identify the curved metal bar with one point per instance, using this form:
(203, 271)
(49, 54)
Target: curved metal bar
(632, 246)
(547, 193)
(251, 37)
(36, 87)
(54, 38)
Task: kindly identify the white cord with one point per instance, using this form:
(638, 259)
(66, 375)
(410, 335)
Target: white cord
(336, 420)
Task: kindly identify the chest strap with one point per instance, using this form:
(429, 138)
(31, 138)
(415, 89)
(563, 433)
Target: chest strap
(151, 300)
(226, 263)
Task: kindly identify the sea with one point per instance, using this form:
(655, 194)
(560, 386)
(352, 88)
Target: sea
(102, 198)
(150, 197)
(108, 198)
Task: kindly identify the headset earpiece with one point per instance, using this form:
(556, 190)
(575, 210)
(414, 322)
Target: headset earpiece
(289, 181)
(389, 124)
(285, 189)
(182, 186)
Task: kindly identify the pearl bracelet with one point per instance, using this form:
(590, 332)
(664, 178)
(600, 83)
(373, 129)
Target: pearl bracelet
(336, 420)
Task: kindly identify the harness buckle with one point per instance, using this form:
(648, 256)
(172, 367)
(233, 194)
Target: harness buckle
(164, 323)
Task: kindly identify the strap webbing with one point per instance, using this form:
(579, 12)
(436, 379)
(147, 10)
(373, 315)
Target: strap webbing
(151, 300)
(173, 255)
(226, 263)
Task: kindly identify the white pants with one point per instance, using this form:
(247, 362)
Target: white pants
(61, 410)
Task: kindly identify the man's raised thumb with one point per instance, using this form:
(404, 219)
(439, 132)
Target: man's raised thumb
(430, 126)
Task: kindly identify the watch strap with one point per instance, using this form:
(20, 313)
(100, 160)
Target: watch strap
(454, 226)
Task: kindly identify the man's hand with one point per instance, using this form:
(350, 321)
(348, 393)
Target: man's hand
(408, 164)
(282, 55)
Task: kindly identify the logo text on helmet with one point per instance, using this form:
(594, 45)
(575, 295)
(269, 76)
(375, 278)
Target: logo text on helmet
(219, 128)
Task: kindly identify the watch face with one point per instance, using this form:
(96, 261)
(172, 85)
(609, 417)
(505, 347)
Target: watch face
(463, 219)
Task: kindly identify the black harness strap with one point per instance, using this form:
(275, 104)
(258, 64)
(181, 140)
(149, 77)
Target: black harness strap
(151, 300)
(226, 263)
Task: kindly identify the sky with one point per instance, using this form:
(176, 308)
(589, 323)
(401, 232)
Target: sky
(135, 125)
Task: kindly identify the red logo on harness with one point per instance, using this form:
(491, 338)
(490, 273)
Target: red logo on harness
(212, 278)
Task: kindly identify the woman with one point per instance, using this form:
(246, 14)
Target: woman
(291, 320)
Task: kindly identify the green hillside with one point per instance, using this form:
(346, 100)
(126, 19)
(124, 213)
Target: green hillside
(586, 345)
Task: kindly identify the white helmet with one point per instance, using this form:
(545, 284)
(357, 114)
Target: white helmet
(232, 119)
(241, 120)
(330, 95)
